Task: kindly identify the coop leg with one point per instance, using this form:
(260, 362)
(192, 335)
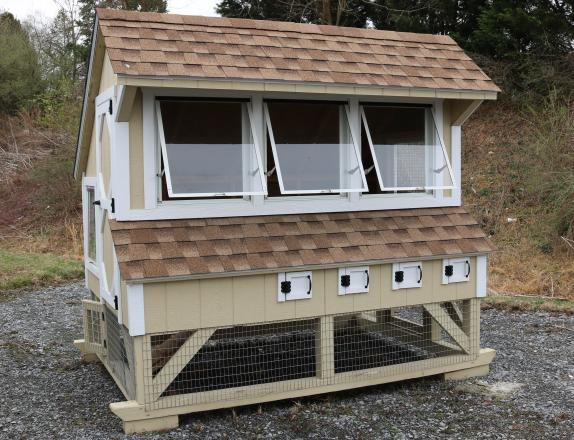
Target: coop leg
(87, 356)
(325, 347)
(431, 328)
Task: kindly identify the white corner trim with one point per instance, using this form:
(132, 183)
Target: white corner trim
(136, 315)
(456, 160)
(150, 155)
(481, 276)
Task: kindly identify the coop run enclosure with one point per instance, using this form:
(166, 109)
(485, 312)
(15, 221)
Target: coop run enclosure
(273, 210)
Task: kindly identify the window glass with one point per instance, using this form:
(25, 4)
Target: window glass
(313, 148)
(208, 149)
(91, 223)
(407, 151)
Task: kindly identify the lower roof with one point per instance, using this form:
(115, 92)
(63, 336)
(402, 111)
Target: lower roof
(196, 248)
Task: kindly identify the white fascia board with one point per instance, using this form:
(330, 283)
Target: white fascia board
(481, 276)
(85, 102)
(136, 311)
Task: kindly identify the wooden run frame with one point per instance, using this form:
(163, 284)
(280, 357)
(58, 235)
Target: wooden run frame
(458, 359)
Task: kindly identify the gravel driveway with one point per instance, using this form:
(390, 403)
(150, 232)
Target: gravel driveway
(47, 393)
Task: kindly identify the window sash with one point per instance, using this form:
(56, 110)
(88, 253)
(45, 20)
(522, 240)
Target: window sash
(247, 174)
(443, 157)
(355, 151)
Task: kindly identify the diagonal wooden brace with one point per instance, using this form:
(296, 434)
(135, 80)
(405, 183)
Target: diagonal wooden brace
(179, 360)
(450, 326)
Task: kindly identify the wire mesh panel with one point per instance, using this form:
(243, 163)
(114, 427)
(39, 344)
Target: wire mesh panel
(94, 331)
(120, 351)
(243, 362)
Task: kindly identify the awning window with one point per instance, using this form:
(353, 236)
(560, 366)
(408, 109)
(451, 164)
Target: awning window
(408, 153)
(208, 149)
(313, 148)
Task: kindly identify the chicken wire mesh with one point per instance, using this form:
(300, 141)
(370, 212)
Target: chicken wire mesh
(120, 352)
(209, 365)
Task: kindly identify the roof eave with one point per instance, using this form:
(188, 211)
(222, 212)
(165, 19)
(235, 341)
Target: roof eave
(300, 87)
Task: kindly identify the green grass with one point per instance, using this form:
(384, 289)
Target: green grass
(19, 269)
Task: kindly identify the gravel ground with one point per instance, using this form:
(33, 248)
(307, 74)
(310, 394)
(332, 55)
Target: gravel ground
(47, 393)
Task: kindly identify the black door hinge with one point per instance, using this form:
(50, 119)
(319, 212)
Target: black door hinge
(103, 317)
(285, 287)
(116, 302)
(399, 276)
(113, 205)
(448, 270)
(111, 109)
(345, 280)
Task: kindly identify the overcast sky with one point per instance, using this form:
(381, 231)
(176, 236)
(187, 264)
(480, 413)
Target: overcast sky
(48, 8)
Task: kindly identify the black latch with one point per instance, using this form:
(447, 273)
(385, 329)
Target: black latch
(111, 107)
(345, 280)
(448, 270)
(116, 302)
(97, 202)
(105, 344)
(399, 276)
(103, 317)
(113, 205)
(285, 287)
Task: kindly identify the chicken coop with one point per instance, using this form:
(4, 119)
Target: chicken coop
(273, 210)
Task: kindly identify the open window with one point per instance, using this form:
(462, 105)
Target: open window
(406, 151)
(312, 148)
(208, 148)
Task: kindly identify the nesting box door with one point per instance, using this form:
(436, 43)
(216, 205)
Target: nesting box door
(94, 327)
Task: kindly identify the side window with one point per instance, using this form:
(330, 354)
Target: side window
(90, 223)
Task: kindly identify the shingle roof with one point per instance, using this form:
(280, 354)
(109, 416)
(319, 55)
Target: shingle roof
(196, 247)
(183, 46)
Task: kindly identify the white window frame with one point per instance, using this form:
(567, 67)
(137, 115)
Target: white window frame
(166, 167)
(438, 158)
(356, 150)
(89, 263)
(168, 209)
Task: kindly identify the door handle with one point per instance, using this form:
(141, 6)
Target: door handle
(368, 279)
(310, 284)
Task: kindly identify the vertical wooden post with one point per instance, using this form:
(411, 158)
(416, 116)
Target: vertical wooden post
(471, 323)
(325, 347)
(141, 364)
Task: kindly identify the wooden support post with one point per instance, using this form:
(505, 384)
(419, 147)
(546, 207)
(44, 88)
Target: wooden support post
(454, 313)
(445, 321)
(431, 329)
(325, 347)
(179, 360)
(471, 323)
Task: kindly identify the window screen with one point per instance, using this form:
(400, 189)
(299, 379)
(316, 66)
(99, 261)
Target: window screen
(406, 149)
(91, 223)
(313, 149)
(208, 149)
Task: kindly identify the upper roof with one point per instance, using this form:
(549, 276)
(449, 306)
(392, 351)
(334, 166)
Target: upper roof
(168, 45)
(151, 250)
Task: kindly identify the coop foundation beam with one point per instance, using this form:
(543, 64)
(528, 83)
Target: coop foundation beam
(449, 325)
(154, 424)
(133, 411)
(179, 360)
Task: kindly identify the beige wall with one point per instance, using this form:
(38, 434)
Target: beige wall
(136, 154)
(108, 253)
(180, 305)
(108, 77)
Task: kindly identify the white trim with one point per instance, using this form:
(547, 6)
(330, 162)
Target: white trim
(150, 155)
(167, 170)
(89, 264)
(136, 311)
(456, 157)
(481, 276)
(121, 167)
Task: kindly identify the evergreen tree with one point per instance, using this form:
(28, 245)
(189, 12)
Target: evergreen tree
(19, 70)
